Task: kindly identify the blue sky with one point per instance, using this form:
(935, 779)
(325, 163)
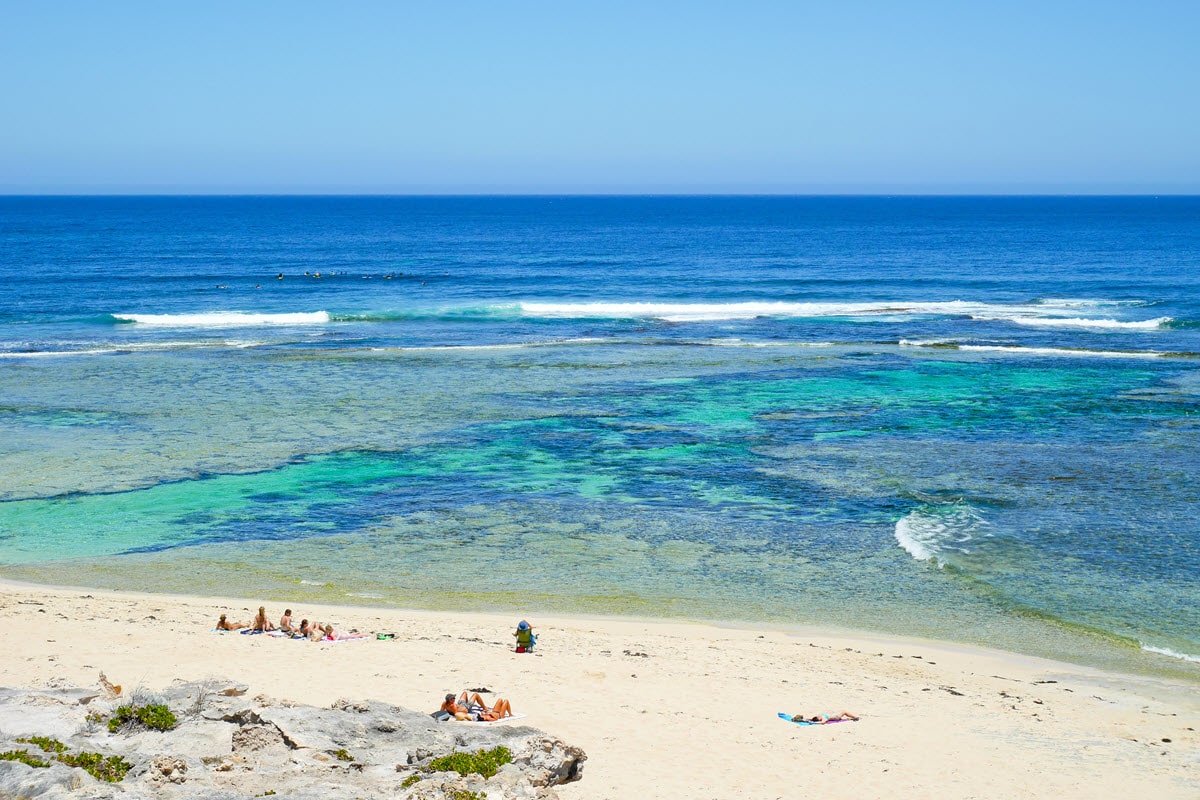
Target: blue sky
(533, 97)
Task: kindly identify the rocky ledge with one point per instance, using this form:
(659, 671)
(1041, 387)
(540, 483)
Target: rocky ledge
(209, 740)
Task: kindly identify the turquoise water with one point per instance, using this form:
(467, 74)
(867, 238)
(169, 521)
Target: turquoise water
(584, 415)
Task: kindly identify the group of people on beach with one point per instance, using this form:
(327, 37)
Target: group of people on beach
(466, 707)
(471, 708)
(313, 631)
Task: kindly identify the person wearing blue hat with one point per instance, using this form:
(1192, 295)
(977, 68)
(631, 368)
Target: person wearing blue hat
(525, 637)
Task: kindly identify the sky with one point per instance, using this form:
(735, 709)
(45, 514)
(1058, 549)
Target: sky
(919, 96)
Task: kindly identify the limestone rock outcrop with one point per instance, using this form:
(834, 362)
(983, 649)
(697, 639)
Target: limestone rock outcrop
(227, 746)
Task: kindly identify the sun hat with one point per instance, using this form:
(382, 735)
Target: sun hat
(522, 625)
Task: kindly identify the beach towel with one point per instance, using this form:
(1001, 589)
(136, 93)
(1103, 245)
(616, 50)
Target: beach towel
(788, 718)
(493, 722)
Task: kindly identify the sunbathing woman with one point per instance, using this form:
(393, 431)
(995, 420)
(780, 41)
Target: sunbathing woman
(332, 635)
(261, 623)
(824, 719)
(473, 709)
(225, 625)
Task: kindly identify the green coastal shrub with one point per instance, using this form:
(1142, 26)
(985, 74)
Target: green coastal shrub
(47, 744)
(24, 757)
(105, 768)
(156, 717)
(483, 762)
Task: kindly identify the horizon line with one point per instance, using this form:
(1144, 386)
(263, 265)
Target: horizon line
(613, 194)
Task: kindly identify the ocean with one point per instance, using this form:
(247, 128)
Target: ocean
(967, 418)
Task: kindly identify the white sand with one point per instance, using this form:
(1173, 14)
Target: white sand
(694, 717)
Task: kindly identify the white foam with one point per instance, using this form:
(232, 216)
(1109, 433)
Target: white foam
(133, 347)
(505, 346)
(1044, 312)
(734, 342)
(715, 312)
(54, 353)
(1079, 322)
(931, 531)
(1071, 302)
(1059, 351)
(913, 539)
(225, 319)
(1163, 651)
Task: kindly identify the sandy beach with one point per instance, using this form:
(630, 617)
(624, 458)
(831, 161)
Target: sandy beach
(668, 709)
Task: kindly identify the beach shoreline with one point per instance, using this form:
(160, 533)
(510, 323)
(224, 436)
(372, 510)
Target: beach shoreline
(666, 708)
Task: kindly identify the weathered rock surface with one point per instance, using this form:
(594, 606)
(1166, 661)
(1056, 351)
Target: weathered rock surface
(229, 746)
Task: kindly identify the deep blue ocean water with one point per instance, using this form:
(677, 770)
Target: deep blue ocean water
(967, 418)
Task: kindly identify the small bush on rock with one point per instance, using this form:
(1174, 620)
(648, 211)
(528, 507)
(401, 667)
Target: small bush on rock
(105, 768)
(47, 744)
(110, 768)
(483, 762)
(156, 717)
(24, 757)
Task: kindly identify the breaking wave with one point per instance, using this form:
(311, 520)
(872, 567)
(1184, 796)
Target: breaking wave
(1046, 313)
(1078, 322)
(1018, 350)
(223, 319)
(931, 531)
(1164, 651)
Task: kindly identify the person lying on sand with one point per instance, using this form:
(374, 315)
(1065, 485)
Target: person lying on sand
(310, 629)
(225, 625)
(473, 709)
(822, 719)
(261, 623)
(332, 635)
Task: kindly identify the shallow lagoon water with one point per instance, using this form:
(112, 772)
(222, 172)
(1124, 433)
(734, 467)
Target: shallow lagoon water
(585, 435)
